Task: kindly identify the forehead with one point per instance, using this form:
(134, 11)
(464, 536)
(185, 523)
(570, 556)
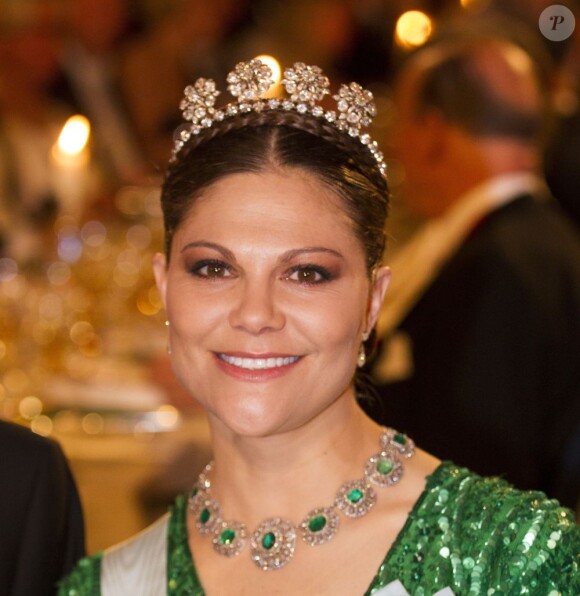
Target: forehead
(286, 198)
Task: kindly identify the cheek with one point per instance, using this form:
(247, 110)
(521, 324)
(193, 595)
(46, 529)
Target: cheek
(193, 320)
(332, 324)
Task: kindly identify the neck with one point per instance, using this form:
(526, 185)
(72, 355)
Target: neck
(292, 472)
(487, 159)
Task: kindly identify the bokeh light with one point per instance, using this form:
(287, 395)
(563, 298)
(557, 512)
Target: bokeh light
(93, 423)
(166, 417)
(413, 29)
(8, 269)
(15, 380)
(42, 425)
(58, 273)
(94, 233)
(30, 407)
(474, 4)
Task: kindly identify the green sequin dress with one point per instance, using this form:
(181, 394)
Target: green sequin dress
(470, 534)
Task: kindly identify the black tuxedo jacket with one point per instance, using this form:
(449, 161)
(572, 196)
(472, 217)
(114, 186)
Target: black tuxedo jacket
(495, 343)
(41, 525)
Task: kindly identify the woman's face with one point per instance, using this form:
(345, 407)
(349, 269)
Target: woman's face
(267, 296)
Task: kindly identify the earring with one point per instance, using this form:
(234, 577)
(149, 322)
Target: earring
(168, 344)
(362, 357)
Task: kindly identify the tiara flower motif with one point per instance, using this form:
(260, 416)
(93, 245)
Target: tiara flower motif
(356, 105)
(250, 80)
(305, 85)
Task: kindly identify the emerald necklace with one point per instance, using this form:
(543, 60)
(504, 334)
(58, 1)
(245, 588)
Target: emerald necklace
(273, 542)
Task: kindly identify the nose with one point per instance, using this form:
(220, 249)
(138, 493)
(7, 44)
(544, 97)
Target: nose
(256, 310)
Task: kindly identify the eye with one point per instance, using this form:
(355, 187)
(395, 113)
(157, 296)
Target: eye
(309, 274)
(211, 269)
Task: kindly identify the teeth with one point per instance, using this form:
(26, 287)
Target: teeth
(258, 363)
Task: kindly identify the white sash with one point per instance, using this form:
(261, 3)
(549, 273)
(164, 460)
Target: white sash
(396, 588)
(139, 565)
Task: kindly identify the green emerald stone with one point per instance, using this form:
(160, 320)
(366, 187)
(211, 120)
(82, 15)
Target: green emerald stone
(204, 516)
(317, 523)
(227, 536)
(384, 466)
(269, 540)
(355, 495)
(400, 438)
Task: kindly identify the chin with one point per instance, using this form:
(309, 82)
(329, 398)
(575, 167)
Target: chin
(253, 421)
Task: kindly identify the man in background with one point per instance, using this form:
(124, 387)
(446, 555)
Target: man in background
(480, 333)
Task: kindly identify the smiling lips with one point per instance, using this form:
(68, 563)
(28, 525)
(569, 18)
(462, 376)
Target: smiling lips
(254, 364)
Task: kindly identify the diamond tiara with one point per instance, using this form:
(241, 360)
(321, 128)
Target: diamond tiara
(305, 85)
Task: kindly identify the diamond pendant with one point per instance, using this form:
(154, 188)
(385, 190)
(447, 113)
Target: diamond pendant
(273, 543)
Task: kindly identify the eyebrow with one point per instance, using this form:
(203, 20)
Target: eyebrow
(287, 256)
(217, 247)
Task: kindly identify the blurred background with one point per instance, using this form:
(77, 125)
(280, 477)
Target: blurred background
(89, 95)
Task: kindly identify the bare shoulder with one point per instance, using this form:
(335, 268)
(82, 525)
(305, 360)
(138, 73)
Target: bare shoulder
(417, 470)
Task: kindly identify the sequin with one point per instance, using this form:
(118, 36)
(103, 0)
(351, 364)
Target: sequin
(485, 538)
(526, 545)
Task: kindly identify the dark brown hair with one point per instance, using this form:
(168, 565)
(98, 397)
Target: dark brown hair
(254, 142)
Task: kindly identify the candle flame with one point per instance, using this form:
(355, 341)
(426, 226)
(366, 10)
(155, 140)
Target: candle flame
(74, 135)
(274, 66)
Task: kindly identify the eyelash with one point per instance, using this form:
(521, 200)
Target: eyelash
(324, 274)
(197, 268)
(321, 272)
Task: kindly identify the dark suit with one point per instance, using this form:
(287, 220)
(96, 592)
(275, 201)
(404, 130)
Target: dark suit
(41, 525)
(496, 350)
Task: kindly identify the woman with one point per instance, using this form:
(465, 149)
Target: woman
(272, 282)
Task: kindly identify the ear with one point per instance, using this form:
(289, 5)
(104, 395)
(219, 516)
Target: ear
(160, 274)
(377, 295)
